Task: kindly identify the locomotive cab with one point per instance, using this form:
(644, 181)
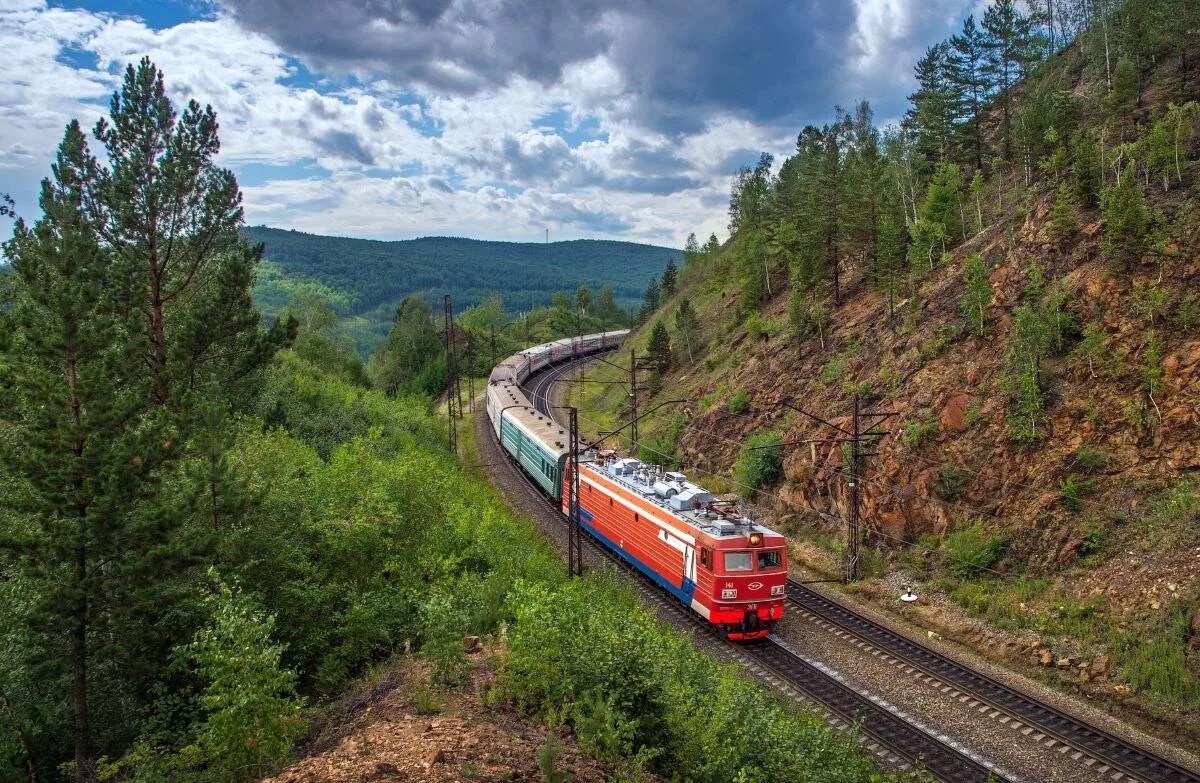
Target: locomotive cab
(749, 582)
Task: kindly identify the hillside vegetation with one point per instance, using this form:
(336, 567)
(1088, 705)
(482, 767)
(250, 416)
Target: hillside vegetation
(365, 280)
(1014, 272)
(211, 527)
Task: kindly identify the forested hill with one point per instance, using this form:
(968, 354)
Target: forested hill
(379, 273)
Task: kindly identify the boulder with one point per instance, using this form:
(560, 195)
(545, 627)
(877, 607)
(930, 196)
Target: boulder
(1099, 667)
(954, 413)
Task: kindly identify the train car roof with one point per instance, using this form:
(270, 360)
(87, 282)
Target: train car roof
(682, 499)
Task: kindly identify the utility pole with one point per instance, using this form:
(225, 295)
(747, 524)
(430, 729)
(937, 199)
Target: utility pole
(471, 371)
(574, 533)
(633, 414)
(453, 388)
(855, 437)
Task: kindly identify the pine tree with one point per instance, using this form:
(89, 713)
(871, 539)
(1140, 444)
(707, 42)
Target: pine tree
(1087, 170)
(1126, 220)
(935, 104)
(1006, 32)
(171, 217)
(977, 293)
(712, 245)
(86, 448)
(653, 296)
(691, 250)
(1064, 216)
(967, 60)
(1122, 97)
(670, 279)
(659, 349)
(688, 326)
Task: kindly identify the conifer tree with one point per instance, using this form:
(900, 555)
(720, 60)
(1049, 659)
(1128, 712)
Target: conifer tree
(659, 348)
(670, 279)
(1087, 170)
(691, 250)
(967, 60)
(1122, 97)
(1064, 216)
(688, 326)
(1006, 32)
(712, 245)
(1126, 220)
(653, 296)
(171, 216)
(977, 293)
(934, 104)
(85, 449)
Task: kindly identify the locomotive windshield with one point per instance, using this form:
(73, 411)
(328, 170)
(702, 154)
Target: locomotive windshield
(770, 558)
(738, 561)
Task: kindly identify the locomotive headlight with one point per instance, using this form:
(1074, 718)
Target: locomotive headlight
(756, 539)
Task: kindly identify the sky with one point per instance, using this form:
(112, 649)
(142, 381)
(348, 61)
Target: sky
(494, 119)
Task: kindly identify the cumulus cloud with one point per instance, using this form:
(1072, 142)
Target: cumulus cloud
(479, 117)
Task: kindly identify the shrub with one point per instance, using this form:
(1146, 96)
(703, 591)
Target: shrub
(1064, 217)
(1088, 459)
(969, 552)
(1072, 490)
(739, 402)
(950, 482)
(760, 461)
(1126, 220)
(917, 431)
(1187, 313)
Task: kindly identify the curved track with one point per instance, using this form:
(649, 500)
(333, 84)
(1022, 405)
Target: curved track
(771, 659)
(1109, 755)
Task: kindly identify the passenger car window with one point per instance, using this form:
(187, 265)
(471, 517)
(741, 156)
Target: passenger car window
(770, 558)
(737, 561)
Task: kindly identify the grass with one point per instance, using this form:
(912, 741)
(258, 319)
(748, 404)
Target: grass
(918, 431)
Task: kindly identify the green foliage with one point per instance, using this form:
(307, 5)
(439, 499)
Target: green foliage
(1123, 94)
(659, 347)
(670, 278)
(759, 462)
(1090, 460)
(683, 713)
(977, 293)
(549, 755)
(950, 482)
(1072, 490)
(919, 430)
(969, 552)
(252, 713)
(688, 326)
(410, 360)
(374, 277)
(1039, 330)
(602, 730)
(1187, 313)
(807, 316)
(1064, 216)
(1087, 170)
(739, 402)
(1126, 220)
(1148, 300)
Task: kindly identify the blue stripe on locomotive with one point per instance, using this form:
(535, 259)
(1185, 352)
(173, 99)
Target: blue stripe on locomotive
(543, 466)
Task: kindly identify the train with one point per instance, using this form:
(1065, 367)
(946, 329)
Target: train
(704, 551)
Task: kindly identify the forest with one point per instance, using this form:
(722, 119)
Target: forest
(1010, 272)
(367, 279)
(212, 524)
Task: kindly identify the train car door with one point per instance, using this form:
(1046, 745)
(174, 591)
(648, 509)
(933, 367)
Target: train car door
(689, 568)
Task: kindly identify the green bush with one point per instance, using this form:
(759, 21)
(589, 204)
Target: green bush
(739, 402)
(1072, 490)
(686, 715)
(950, 482)
(917, 431)
(969, 552)
(759, 462)
(1088, 459)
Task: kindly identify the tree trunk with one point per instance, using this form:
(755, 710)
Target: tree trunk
(158, 336)
(79, 699)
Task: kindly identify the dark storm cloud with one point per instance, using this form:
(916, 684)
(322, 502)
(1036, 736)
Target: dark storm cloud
(681, 60)
(345, 145)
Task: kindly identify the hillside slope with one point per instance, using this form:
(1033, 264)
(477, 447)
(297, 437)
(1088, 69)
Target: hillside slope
(375, 276)
(1077, 534)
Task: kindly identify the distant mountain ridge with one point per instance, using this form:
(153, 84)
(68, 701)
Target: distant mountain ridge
(379, 272)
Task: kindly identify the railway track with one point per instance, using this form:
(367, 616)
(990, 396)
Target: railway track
(1108, 756)
(887, 731)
